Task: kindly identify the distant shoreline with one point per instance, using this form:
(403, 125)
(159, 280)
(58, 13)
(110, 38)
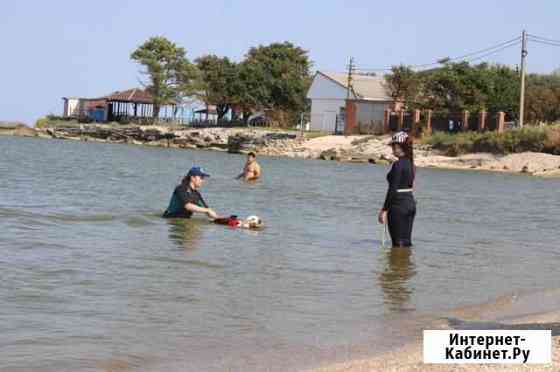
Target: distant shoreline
(285, 143)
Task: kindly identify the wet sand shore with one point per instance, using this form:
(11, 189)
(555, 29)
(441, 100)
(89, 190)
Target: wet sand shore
(509, 312)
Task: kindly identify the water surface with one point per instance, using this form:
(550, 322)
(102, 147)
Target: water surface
(93, 279)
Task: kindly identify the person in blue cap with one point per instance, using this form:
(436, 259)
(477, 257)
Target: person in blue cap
(186, 198)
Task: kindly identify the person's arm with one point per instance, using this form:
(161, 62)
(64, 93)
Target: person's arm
(394, 181)
(191, 207)
(242, 175)
(192, 204)
(394, 178)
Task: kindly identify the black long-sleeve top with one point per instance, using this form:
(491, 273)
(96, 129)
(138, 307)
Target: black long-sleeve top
(401, 176)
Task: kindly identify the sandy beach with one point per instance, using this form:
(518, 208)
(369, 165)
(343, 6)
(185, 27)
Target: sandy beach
(409, 358)
(509, 312)
(347, 148)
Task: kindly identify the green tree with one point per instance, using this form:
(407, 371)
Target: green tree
(404, 84)
(460, 86)
(455, 87)
(280, 72)
(170, 75)
(502, 90)
(250, 89)
(542, 98)
(218, 81)
(542, 104)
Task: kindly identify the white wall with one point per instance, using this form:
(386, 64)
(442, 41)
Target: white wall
(327, 98)
(371, 114)
(323, 113)
(71, 107)
(371, 111)
(324, 88)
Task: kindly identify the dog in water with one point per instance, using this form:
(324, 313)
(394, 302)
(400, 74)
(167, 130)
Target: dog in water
(251, 222)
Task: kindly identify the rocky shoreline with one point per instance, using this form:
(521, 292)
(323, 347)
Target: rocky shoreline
(8, 128)
(357, 149)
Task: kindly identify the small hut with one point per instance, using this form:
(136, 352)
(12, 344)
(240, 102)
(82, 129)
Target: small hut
(135, 105)
(208, 114)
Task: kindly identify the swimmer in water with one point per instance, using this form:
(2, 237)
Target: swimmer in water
(252, 169)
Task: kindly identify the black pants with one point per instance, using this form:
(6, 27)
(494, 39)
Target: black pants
(400, 218)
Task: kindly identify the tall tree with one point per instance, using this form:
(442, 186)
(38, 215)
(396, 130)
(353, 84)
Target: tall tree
(218, 80)
(250, 89)
(460, 86)
(503, 90)
(404, 84)
(170, 74)
(283, 72)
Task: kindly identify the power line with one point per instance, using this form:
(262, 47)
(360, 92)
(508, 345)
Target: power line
(543, 38)
(494, 52)
(544, 42)
(494, 48)
(505, 44)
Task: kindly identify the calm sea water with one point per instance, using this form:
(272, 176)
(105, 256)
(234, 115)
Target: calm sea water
(93, 279)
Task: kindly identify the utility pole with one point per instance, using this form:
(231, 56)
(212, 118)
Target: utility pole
(523, 67)
(349, 89)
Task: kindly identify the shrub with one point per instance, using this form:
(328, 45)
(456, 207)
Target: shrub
(42, 123)
(85, 120)
(552, 141)
(123, 120)
(534, 139)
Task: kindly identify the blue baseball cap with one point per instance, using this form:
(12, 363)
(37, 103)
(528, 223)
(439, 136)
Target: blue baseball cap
(197, 171)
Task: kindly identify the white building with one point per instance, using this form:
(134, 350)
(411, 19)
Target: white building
(71, 107)
(328, 94)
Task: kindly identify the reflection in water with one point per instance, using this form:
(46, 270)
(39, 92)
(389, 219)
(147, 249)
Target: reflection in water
(185, 232)
(397, 271)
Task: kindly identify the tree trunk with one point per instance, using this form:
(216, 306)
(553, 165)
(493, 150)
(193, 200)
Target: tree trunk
(246, 116)
(155, 114)
(222, 110)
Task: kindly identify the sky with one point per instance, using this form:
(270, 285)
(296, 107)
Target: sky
(54, 49)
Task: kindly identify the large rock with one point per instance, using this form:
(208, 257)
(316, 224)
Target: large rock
(332, 154)
(244, 142)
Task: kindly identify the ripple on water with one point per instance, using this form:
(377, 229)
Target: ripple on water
(197, 263)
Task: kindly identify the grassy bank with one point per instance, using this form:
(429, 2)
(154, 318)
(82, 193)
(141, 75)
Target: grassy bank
(536, 139)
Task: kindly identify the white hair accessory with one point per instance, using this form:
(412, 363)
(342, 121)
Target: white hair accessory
(399, 137)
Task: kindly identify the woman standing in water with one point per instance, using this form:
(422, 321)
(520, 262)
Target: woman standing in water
(399, 208)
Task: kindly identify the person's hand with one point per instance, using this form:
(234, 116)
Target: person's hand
(382, 217)
(210, 213)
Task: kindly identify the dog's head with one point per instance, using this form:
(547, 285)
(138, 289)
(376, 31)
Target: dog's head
(253, 221)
